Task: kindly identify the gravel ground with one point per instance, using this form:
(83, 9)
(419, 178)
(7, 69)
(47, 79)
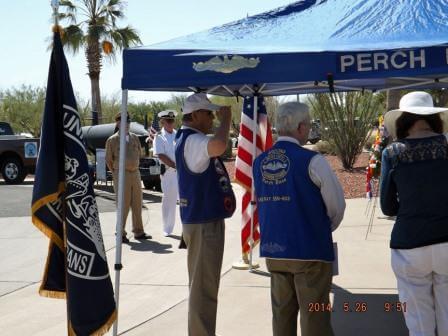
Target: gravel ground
(353, 182)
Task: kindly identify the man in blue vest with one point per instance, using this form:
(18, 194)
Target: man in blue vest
(206, 198)
(300, 202)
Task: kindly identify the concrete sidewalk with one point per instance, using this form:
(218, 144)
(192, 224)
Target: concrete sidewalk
(154, 282)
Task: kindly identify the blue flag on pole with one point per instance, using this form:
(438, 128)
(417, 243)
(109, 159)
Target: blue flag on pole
(65, 210)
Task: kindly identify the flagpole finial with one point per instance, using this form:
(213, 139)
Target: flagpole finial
(55, 6)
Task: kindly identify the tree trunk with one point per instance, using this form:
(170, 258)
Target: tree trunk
(393, 99)
(93, 55)
(97, 116)
(443, 98)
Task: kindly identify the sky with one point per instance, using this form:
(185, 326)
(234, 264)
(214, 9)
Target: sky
(25, 27)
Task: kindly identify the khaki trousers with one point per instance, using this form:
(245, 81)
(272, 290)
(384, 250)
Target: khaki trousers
(132, 199)
(296, 285)
(205, 249)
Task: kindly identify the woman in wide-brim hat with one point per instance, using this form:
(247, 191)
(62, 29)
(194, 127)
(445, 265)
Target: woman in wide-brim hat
(414, 187)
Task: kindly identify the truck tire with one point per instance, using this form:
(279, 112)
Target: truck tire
(13, 171)
(153, 185)
(158, 186)
(148, 185)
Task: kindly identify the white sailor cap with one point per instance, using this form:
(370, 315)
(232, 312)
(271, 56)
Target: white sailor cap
(167, 114)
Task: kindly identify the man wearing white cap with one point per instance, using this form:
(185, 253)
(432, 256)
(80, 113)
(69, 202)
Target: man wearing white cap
(206, 198)
(164, 149)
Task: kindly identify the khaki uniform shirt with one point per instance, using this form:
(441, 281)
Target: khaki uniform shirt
(133, 152)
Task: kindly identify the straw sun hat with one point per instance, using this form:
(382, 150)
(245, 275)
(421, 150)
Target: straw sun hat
(417, 102)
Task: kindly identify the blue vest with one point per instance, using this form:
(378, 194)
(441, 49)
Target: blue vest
(203, 197)
(293, 219)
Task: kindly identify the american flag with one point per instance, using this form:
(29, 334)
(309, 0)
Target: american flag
(155, 128)
(243, 164)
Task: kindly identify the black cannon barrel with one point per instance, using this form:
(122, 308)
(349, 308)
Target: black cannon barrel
(96, 136)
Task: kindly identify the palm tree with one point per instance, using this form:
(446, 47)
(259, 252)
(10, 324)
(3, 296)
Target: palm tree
(92, 26)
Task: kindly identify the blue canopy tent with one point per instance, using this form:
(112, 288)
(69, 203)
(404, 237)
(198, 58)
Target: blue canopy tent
(302, 48)
(305, 47)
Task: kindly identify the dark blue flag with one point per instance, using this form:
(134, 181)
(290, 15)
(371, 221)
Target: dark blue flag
(64, 208)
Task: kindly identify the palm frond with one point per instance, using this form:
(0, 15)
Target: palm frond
(125, 37)
(68, 6)
(70, 17)
(73, 38)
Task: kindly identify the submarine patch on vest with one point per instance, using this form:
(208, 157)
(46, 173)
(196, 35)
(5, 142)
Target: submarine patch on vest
(274, 167)
(273, 248)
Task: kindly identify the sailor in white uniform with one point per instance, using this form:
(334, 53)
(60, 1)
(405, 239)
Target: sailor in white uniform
(164, 150)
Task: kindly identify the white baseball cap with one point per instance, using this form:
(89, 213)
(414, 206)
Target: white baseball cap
(198, 101)
(167, 114)
(417, 102)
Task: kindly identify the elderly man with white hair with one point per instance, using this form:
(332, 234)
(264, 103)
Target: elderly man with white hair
(300, 202)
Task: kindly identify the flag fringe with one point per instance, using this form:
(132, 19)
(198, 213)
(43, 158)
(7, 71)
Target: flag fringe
(41, 225)
(105, 328)
(45, 292)
(47, 199)
(48, 232)
(246, 243)
(241, 184)
(51, 294)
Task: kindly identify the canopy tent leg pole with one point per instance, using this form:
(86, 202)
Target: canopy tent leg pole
(120, 198)
(252, 189)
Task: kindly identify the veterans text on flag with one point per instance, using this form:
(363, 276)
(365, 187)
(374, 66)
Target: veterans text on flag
(65, 209)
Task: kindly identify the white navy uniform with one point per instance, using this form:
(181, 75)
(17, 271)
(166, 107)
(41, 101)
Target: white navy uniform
(164, 144)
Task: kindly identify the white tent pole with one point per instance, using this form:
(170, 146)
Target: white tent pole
(120, 197)
(252, 189)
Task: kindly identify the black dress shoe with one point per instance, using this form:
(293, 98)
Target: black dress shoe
(143, 236)
(125, 239)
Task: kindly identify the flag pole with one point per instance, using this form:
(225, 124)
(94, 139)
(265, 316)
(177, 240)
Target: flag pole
(252, 189)
(120, 197)
(55, 7)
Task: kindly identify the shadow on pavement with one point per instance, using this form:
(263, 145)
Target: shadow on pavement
(107, 191)
(2, 182)
(365, 314)
(150, 245)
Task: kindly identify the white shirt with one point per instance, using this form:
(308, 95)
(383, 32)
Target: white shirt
(164, 144)
(324, 178)
(196, 148)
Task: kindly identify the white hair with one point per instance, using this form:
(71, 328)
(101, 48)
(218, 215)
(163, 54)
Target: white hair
(290, 115)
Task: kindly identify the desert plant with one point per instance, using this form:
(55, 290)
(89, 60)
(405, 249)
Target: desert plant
(346, 118)
(325, 147)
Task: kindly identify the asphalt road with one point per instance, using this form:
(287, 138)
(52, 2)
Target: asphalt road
(15, 200)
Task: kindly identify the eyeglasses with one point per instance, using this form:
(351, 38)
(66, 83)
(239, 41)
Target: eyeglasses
(169, 121)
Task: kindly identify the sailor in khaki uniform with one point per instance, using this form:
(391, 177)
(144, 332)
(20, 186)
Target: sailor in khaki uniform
(164, 150)
(132, 185)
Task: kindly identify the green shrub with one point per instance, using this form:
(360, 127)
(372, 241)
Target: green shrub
(325, 147)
